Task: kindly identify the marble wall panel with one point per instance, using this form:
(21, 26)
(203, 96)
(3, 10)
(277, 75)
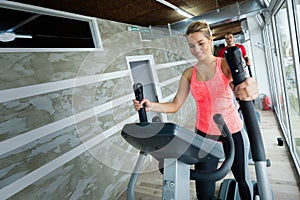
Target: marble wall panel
(30, 157)
(112, 89)
(186, 116)
(170, 89)
(22, 115)
(101, 164)
(23, 69)
(84, 177)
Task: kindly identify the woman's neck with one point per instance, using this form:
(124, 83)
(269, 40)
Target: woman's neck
(211, 60)
(206, 69)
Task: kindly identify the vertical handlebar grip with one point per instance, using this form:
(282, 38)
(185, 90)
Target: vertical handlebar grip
(219, 120)
(227, 140)
(234, 59)
(228, 147)
(138, 91)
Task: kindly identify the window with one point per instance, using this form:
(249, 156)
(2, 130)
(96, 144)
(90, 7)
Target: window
(24, 27)
(289, 62)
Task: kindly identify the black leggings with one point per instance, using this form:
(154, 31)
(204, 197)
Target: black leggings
(206, 190)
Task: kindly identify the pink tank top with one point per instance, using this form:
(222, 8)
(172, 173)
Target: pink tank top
(214, 96)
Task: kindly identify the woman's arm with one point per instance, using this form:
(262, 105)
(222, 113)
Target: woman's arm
(179, 99)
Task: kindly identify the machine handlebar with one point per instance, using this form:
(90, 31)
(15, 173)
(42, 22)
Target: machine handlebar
(234, 59)
(138, 91)
(229, 150)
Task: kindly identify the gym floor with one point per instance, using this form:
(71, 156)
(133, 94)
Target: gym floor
(283, 178)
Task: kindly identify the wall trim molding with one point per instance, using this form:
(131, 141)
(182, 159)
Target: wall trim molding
(38, 89)
(37, 174)
(25, 138)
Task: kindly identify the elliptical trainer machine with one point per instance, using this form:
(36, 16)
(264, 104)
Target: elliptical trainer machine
(262, 189)
(178, 148)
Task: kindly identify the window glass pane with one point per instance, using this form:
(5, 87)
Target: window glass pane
(295, 118)
(285, 56)
(31, 30)
(290, 77)
(35, 29)
(274, 71)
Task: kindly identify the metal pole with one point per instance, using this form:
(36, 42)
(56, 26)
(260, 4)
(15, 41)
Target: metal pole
(234, 59)
(135, 175)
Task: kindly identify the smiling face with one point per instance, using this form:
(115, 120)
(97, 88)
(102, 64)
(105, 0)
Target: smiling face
(200, 46)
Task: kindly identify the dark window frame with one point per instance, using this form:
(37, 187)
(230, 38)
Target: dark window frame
(88, 39)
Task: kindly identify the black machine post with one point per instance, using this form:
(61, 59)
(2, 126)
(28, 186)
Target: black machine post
(139, 96)
(138, 91)
(249, 67)
(234, 59)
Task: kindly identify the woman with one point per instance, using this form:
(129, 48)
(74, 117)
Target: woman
(210, 84)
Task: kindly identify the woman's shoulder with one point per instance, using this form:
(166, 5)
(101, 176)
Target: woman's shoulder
(189, 70)
(223, 60)
(188, 73)
(225, 68)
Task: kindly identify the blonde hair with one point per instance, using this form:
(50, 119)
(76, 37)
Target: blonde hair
(201, 26)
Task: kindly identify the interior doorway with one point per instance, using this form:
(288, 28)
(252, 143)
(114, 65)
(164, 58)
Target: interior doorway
(142, 71)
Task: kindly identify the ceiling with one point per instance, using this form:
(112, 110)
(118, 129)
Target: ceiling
(153, 13)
